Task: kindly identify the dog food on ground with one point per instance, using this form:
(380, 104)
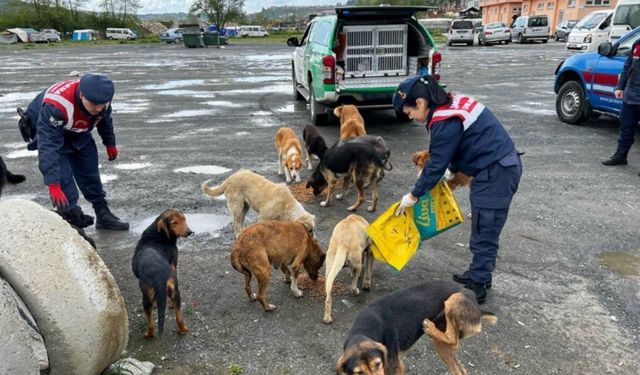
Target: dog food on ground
(301, 193)
(316, 288)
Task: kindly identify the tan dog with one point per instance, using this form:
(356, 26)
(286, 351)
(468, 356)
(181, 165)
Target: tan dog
(349, 244)
(351, 122)
(245, 189)
(289, 154)
(454, 180)
(277, 244)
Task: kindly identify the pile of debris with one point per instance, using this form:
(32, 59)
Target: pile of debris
(153, 27)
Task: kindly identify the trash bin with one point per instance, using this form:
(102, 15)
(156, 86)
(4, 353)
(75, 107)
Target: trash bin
(192, 40)
(210, 38)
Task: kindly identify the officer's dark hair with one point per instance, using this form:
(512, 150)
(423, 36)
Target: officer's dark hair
(427, 88)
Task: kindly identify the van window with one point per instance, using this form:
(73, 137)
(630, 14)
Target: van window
(627, 15)
(458, 25)
(538, 21)
(590, 21)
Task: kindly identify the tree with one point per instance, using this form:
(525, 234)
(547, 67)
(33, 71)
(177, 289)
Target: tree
(218, 12)
(119, 10)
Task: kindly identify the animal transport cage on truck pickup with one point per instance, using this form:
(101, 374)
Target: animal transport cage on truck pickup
(359, 56)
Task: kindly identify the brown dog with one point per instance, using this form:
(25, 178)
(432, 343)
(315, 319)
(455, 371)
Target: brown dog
(389, 326)
(155, 264)
(245, 189)
(277, 244)
(289, 154)
(454, 180)
(349, 244)
(351, 122)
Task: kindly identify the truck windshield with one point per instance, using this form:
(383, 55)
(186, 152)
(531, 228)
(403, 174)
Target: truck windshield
(627, 15)
(590, 21)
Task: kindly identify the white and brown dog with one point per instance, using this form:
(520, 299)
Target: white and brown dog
(349, 245)
(289, 154)
(351, 122)
(245, 189)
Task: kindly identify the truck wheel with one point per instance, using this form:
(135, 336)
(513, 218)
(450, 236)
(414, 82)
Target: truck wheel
(571, 103)
(316, 110)
(296, 93)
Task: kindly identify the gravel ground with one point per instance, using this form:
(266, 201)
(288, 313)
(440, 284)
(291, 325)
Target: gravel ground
(566, 288)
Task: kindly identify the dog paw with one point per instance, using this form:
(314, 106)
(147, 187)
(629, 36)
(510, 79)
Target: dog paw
(297, 293)
(148, 335)
(310, 167)
(270, 307)
(324, 203)
(253, 297)
(339, 197)
(298, 179)
(371, 208)
(327, 320)
(355, 291)
(352, 208)
(182, 330)
(428, 327)
(366, 288)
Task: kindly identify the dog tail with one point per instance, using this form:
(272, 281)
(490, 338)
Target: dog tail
(338, 262)
(213, 191)
(489, 317)
(161, 300)
(235, 260)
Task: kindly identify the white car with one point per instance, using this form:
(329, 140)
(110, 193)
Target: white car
(246, 31)
(590, 31)
(51, 35)
(461, 31)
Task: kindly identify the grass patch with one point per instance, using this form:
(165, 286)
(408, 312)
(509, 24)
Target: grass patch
(235, 369)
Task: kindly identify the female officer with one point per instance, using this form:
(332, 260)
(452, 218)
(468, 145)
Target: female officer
(465, 137)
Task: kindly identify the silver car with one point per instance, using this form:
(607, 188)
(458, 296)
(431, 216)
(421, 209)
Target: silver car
(461, 31)
(494, 33)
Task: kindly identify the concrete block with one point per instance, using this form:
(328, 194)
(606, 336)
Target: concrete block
(130, 366)
(22, 348)
(66, 286)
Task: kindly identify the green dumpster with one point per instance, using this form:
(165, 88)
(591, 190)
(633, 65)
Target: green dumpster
(192, 40)
(213, 39)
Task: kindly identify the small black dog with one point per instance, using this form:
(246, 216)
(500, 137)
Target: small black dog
(155, 264)
(8, 176)
(443, 310)
(313, 143)
(377, 142)
(352, 162)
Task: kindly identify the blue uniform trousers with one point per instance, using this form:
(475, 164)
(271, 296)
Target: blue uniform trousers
(491, 193)
(629, 117)
(81, 166)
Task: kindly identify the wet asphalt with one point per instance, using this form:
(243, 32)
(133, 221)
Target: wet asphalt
(566, 289)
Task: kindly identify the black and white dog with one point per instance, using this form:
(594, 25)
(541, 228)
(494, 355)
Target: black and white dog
(313, 143)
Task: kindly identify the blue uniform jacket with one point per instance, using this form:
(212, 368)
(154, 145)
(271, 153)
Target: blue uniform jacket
(52, 139)
(482, 144)
(630, 77)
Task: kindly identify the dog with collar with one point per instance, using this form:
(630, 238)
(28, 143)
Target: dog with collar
(314, 144)
(155, 264)
(289, 154)
(351, 122)
(443, 310)
(349, 245)
(352, 162)
(246, 189)
(275, 244)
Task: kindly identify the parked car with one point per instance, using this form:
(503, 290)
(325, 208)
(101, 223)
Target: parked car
(563, 29)
(591, 31)
(461, 31)
(172, 35)
(120, 33)
(626, 16)
(36, 36)
(494, 33)
(246, 31)
(585, 82)
(51, 35)
(531, 28)
(358, 56)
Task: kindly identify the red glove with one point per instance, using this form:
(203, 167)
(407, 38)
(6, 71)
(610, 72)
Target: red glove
(112, 152)
(57, 196)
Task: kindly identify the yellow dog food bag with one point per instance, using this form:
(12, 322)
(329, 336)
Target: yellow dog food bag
(395, 239)
(437, 211)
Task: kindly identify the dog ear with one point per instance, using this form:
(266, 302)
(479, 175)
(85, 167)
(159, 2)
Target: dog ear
(164, 223)
(338, 111)
(384, 351)
(417, 156)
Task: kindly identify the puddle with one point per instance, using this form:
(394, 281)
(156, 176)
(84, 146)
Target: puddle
(106, 178)
(192, 93)
(251, 79)
(224, 103)
(268, 57)
(192, 113)
(621, 262)
(286, 89)
(15, 145)
(534, 111)
(22, 154)
(242, 134)
(133, 166)
(174, 84)
(124, 107)
(159, 120)
(290, 108)
(203, 169)
(16, 97)
(198, 223)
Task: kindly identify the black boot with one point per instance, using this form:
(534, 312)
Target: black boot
(106, 220)
(464, 278)
(619, 158)
(479, 289)
(76, 217)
